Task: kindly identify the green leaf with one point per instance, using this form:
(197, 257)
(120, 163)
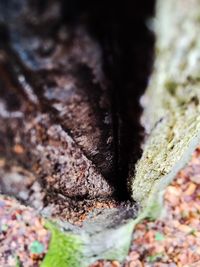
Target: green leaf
(193, 232)
(159, 236)
(36, 247)
(155, 257)
(4, 227)
(18, 264)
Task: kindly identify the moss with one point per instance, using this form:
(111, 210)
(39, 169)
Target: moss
(155, 257)
(17, 264)
(65, 249)
(172, 114)
(171, 87)
(81, 247)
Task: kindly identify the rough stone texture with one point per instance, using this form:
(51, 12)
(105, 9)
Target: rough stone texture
(55, 110)
(171, 119)
(68, 78)
(105, 235)
(171, 103)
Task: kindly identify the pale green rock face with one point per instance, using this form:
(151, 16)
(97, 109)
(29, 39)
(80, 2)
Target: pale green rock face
(172, 101)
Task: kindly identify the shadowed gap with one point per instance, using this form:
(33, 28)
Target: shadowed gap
(127, 43)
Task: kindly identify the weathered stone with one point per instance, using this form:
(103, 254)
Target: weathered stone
(171, 103)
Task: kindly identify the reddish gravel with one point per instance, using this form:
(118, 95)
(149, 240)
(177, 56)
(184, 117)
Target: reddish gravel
(23, 238)
(174, 239)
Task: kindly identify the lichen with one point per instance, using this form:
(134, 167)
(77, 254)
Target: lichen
(172, 113)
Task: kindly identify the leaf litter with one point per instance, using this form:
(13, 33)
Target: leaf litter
(173, 240)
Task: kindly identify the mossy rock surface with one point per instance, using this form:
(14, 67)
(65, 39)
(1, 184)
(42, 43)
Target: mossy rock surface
(106, 237)
(171, 119)
(171, 103)
(172, 122)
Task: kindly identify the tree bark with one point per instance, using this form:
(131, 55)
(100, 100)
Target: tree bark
(172, 123)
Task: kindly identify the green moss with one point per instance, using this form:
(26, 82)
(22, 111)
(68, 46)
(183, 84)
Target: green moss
(93, 242)
(65, 249)
(155, 257)
(171, 87)
(159, 236)
(17, 264)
